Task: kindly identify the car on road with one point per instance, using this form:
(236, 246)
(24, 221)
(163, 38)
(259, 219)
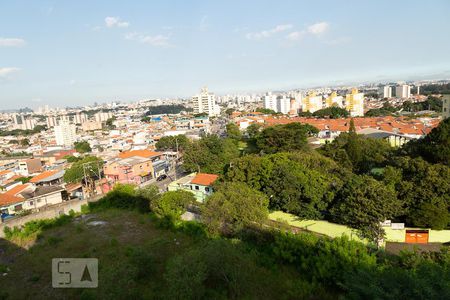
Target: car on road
(161, 177)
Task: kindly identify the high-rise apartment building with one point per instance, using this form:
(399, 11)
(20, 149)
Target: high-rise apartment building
(334, 100)
(283, 105)
(385, 91)
(270, 101)
(51, 121)
(103, 116)
(80, 118)
(354, 103)
(403, 91)
(312, 103)
(446, 106)
(65, 133)
(205, 102)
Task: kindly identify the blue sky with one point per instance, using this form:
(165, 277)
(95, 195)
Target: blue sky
(68, 53)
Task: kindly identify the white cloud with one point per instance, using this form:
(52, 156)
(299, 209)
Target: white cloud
(318, 28)
(268, 33)
(12, 42)
(5, 72)
(295, 36)
(72, 82)
(111, 22)
(156, 40)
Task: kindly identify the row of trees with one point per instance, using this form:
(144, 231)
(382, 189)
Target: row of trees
(321, 267)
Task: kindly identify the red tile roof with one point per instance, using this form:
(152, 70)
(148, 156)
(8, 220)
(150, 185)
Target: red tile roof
(6, 199)
(204, 179)
(17, 189)
(43, 175)
(4, 172)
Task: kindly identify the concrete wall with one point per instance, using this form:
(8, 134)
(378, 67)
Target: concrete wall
(48, 212)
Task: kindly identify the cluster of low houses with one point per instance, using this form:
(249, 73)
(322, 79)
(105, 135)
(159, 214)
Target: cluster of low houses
(47, 187)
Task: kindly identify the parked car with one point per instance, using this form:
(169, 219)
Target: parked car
(161, 177)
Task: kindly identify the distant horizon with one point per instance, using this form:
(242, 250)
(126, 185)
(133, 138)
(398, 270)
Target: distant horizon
(77, 53)
(261, 91)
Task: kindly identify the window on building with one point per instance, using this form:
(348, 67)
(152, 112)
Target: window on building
(207, 189)
(197, 187)
(31, 203)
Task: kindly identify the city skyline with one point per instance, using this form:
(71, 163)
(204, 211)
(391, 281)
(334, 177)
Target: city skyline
(75, 54)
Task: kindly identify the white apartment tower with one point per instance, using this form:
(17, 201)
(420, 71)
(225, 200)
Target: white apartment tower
(103, 116)
(283, 105)
(205, 102)
(65, 134)
(270, 101)
(385, 91)
(403, 91)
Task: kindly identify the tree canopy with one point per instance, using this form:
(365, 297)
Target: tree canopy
(76, 173)
(233, 132)
(172, 204)
(233, 206)
(171, 142)
(288, 137)
(210, 154)
(82, 147)
(332, 112)
(434, 147)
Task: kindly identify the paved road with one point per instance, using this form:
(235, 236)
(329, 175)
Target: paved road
(162, 185)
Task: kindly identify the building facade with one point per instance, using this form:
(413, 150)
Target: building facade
(354, 103)
(312, 103)
(205, 102)
(403, 91)
(446, 106)
(385, 91)
(65, 134)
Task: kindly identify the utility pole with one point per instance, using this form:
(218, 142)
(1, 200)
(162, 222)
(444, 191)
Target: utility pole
(176, 158)
(84, 172)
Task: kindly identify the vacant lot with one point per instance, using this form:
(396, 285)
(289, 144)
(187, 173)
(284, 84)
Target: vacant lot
(133, 257)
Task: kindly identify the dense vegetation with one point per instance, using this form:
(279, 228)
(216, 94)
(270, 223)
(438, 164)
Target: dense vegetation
(432, 103)
(332, 112)
(230, 256)
(21, 132)
(89, 166)
(429, 89)
(354, 180)
(82, 147)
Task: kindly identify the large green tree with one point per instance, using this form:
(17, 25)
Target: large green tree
(435, 146)
(233, 206)
(210, 154)
(425, 190)
(82, 147)
(233, 132)
(288, 137)
(357, 152)
(363, 203)
(303, 183)
(332, 112)
(180, 142)
(92, 167)
(172, 204)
